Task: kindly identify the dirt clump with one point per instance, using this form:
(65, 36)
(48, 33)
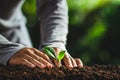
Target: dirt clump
(95, 72)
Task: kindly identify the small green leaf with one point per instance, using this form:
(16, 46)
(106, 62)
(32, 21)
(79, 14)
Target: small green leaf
(61, 55)
(49, 51)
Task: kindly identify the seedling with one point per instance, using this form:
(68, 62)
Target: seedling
(51, 53)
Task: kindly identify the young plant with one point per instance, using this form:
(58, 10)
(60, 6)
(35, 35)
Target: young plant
(51, 53)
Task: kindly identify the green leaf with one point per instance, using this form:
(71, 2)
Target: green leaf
(50, 52)
(61, 55)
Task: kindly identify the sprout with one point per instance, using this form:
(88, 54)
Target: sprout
(51, 53)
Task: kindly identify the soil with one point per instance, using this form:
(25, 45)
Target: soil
(95, 72)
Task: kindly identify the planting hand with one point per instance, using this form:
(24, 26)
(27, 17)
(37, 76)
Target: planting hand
(70, 61)
(31, 57)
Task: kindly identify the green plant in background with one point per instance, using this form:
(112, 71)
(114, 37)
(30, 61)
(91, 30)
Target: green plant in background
(29, 10)
(97, 24)
(51, 53)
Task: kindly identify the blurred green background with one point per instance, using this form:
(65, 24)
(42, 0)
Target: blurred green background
(94, 29)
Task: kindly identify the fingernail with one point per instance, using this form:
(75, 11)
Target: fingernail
(81, 66)
(70, 66)
(49, 65)
(33, 66)
(75, 65)
(43, 66)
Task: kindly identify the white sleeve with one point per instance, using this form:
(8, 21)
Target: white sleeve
(8, 49)
(53, 16)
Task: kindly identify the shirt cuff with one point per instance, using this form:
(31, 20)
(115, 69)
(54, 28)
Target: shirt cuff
(59, 45)
(8, 52)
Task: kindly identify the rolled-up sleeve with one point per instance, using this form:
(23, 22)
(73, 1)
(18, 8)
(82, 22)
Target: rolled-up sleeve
(8, 49)
(53, 16)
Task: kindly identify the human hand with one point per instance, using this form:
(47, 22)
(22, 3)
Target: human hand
(68, 60)
(31, 57)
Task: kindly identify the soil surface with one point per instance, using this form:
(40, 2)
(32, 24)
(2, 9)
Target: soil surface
(95, 72)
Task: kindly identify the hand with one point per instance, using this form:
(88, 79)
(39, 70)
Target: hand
(70, 61)
(31, 57)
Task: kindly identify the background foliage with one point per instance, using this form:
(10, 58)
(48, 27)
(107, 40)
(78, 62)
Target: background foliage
(93, 29)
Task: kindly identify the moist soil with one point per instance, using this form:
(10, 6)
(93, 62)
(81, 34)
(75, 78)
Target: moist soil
(95, 72)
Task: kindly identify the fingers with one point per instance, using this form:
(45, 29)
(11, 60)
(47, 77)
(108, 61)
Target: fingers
(34, 61)
(71, 62)
(22, 61)
(74, 64)
(38, 59)
(67, 61)
(33, 57)
(57, 63)
(79, 62)
(37, 52)
(43, 61)
(30, 58)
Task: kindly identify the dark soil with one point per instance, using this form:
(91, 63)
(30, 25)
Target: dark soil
(95, 72)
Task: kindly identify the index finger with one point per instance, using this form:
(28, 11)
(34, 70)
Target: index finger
(67, 61)
(43, 55)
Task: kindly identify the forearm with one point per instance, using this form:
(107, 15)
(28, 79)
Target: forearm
(53, 15)
(7, 50)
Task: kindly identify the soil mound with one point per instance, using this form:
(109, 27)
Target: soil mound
(95, 72)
